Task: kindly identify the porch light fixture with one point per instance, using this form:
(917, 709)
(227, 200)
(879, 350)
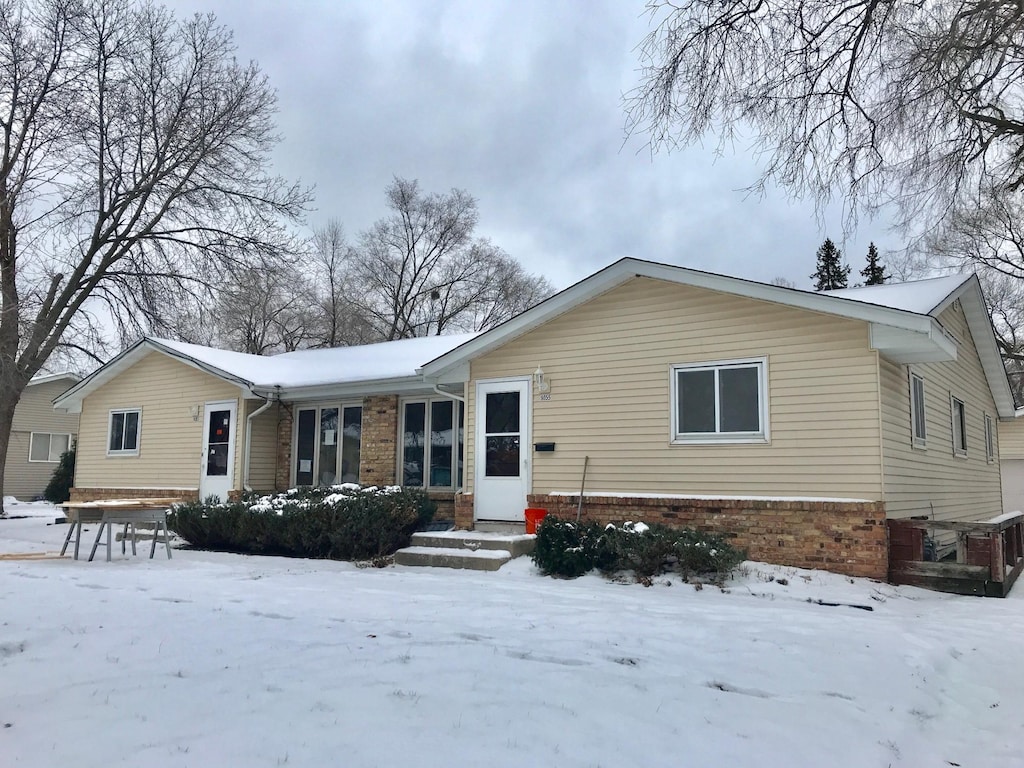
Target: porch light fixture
(194, 410)
(542, 384)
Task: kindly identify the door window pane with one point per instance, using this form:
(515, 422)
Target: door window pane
(502, 456)
(351, 440)
(328, 462)
(413, 442)
(217, 443)
(502, 413)
(696, 401)
(738, 395)
(305, 446)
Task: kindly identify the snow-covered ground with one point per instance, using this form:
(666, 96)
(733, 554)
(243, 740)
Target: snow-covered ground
(222, 660)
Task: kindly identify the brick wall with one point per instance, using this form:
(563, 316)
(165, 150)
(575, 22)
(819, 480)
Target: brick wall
(94, 494)
(464, 511)
(283, 472)
(842, 537)
(445, 501)
(377, 458)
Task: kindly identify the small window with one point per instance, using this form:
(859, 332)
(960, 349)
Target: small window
(918, 422)
(959, 417)
(990, 439)
(719, 402)
(47, 446)
(124, 432)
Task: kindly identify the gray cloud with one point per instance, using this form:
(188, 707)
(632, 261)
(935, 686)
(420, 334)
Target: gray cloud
(519, 103)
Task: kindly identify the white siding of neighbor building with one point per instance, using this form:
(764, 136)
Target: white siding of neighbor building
(609, 362)
(933, 481)
(170, 442)
(26, 479)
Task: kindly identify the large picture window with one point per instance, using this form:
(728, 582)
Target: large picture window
(719, 402)
(47, 446)
(432, 437)
(327, 444)
(124, 429)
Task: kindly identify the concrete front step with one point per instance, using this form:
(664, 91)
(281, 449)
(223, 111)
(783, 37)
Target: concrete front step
(448, 557)
(516, 544)
(499, 526)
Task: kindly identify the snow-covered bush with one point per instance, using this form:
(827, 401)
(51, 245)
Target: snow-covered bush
(341, 522)
(570, 549)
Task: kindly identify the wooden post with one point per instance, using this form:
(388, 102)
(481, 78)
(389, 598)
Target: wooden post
(996, 552)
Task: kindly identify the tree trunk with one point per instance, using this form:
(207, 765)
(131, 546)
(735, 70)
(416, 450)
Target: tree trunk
(8, 402)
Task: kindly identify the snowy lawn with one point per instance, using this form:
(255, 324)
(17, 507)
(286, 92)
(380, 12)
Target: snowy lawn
(223, 660)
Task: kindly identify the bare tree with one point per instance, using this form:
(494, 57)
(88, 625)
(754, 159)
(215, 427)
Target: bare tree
(916, 104)
(340, 320)
(782, 282)
(263, 311)
(420, 271)
(132, 169)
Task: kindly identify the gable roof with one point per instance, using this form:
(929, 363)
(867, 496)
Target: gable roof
(389, 365)
(47, 378)
(903, 317)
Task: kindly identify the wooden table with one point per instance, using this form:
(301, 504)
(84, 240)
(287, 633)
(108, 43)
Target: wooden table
(127, 512)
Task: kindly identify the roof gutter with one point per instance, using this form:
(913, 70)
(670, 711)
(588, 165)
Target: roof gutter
(248, 436)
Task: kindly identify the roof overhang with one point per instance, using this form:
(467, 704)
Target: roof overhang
(899, 335)
(407, 385)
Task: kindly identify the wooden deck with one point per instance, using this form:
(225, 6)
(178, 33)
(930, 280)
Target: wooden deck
(989, 555)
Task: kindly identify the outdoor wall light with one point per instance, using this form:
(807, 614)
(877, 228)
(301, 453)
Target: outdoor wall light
(542, 384)
(195, 412)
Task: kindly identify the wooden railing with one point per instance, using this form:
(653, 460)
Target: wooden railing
(989, 555)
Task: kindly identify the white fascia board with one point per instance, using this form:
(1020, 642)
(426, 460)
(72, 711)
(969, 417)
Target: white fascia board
(398, 386)
(51, 377)
(980, 325)
(903, 346)
(626, 269)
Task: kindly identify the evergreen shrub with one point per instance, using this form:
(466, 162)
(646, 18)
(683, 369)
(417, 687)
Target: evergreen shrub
(58, 490)
(570, 549)
(341, 522)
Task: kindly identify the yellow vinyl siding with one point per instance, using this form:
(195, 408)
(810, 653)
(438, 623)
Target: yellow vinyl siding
(26, 479)
(170, 442)
(263, 459)
(1011, 439)
(932, 481)
(609, 362)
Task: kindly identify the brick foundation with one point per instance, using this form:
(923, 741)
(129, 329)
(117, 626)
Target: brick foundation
(841, 537)
(445, 501)
(377, 458)
(94, 494)
(464, 511)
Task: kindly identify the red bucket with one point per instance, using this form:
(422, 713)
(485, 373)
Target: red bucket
(533, 518)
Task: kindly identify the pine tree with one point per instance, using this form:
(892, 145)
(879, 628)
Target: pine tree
(832, 272)
(875, 270)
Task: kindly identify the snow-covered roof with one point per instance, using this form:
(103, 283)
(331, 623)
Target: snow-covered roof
(919, 296)
(318, 367)
(388, 365)
(46, 378)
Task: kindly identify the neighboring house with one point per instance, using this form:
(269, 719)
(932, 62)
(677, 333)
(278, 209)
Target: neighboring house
(1011, 463)
(790, 420)
(38, 437)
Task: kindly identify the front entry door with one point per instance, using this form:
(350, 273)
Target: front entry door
(502, 466)
(217, 471)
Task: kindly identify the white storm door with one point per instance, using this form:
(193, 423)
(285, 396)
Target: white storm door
(502, 466)
(217, 471)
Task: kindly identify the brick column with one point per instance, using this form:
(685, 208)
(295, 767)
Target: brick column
(378, 457)
(283, 472)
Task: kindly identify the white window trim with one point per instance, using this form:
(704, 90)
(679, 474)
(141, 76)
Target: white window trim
(138, 432)
(990, 439)
(958, 451)
(763, 436)
(296, 407)
(400, 452)
(920, 443)
(32, 439)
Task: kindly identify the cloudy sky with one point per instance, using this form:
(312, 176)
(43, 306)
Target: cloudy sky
(520, 103)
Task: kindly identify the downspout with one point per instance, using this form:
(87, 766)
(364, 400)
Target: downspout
(248, 434)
